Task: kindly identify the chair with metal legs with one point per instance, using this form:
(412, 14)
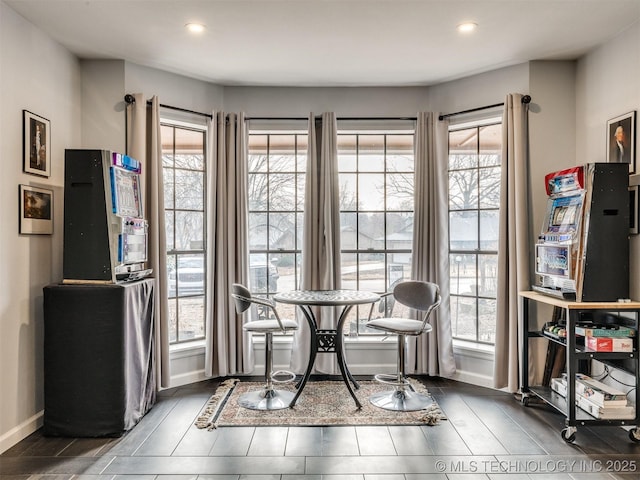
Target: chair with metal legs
(420, 296)
(268, 398)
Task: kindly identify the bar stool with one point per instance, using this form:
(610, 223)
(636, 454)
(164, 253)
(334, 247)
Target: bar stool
(268, 398)
(421, 296)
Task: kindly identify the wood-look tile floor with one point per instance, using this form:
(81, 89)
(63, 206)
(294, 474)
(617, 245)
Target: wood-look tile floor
(488, 435)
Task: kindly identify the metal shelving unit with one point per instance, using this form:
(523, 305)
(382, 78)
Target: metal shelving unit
(574, 353)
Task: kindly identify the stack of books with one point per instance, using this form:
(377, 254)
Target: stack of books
(607, 338)
(596, 398)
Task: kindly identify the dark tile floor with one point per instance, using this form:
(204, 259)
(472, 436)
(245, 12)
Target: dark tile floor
(488, 435)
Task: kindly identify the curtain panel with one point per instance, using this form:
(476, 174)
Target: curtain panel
(432, 353)
(513, 243)
(321, 236)
(229, 348)
(144, 144)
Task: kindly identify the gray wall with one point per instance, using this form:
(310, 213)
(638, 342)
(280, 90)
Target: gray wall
(38, 75)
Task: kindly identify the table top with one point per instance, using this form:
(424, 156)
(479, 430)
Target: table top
(326, 297)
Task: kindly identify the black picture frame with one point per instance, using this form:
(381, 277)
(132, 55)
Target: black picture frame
(621, 140)
(36, 144)
(35, 210)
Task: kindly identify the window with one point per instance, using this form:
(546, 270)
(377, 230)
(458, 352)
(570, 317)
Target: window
(183, 161)
(474, 201)
(376, 172)
(277, 164)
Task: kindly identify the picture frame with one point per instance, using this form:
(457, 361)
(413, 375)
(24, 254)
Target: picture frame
(36, 144)
(633, 210)
(621, 140)
(35, 210)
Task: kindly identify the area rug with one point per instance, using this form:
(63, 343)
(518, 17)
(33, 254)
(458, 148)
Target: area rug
(321, 403)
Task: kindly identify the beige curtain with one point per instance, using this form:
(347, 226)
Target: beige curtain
(229, 348)
(513, 244)
(321, 237)
(143, 143)
(431, 353)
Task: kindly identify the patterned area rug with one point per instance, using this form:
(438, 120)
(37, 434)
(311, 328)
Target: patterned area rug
(321, 403)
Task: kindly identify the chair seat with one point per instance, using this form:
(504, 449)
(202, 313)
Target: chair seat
(403, 326)
(270, 326)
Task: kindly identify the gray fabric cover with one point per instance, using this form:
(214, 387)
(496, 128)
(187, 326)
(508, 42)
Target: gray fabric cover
(99, 358)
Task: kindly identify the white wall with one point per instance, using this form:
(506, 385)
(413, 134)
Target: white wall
(38, 75)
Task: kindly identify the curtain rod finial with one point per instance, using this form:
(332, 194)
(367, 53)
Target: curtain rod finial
(129, 99)
(526, 99)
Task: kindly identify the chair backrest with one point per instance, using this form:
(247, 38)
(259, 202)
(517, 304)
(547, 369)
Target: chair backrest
(242, 297)
(422, 296)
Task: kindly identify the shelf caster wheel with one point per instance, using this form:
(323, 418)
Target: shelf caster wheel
(634, 435)
(525, 401)
(569, 434)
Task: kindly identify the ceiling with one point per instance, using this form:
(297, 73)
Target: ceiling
(329, 42)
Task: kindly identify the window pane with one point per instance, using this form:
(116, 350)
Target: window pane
(371, 272)
(191, 315)
(302, 152)
(189, 149)
(489, 225)
(285, 270)
(189, 230)
(257, 163)
(166, 135)
(189, 188)
(463, 317)
(349, 271)
(257, 231)
(490, 145)
(371, 191)
(370, 231)
(487, 310)
(400, 191)
(463, 230)
(463, 149)
(399, 231)
(463, 189)
(282, 153)
(399, 268)
(462, 274)
(489, 187)
(169, 227)
(348, 231)
(348, 199)
(258, 191)
(371, 153)
(488, 275)
(169, 190)
(283, 192)
(400, 153)
(282, 230)
(300, 191)
(347, 153)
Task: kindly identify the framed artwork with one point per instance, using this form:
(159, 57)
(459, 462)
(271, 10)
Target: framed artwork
(621, 140)
(36, 210)
(633, 210)
(36, 144)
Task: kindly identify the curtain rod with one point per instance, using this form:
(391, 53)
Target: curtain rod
(525, 99)
(129, 99)
(337, 118)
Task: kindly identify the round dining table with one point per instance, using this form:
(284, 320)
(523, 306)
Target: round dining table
(327, 340)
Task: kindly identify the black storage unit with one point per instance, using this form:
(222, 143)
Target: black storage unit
(99, 358)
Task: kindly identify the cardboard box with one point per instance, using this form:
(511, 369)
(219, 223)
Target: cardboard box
(609, 344)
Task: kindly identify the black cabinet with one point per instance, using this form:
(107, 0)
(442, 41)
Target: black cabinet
(99, 357)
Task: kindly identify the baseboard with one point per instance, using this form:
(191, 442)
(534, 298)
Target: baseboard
(473, 379)
(187, 378)
(21, 431)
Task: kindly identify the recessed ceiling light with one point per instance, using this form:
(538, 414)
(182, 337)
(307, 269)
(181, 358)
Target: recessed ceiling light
(467, 27)
(195, 27)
